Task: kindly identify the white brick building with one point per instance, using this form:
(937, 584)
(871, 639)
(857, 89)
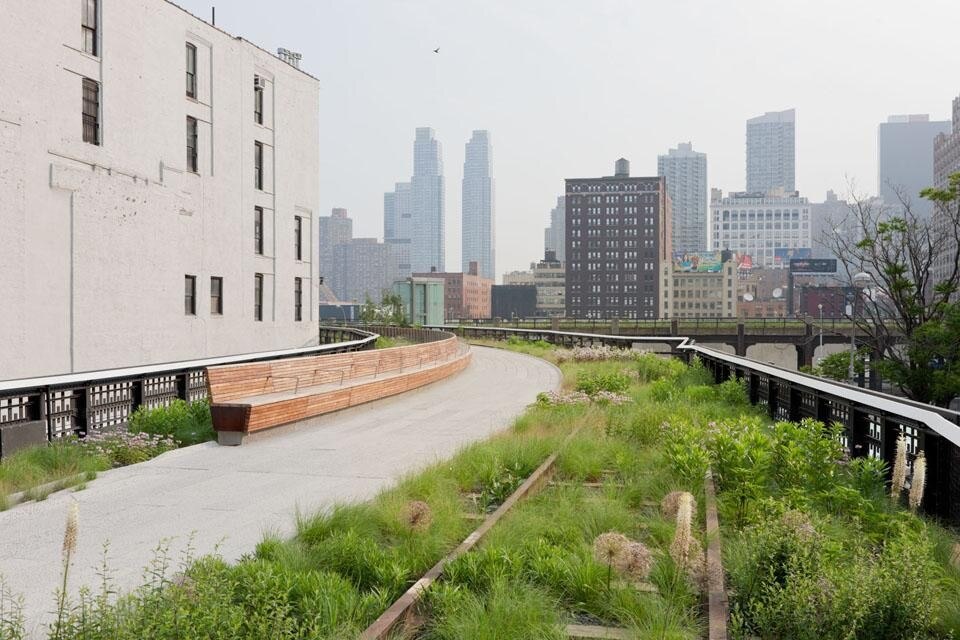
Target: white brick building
(158, 187)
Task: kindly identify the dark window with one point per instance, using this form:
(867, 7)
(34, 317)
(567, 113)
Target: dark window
(190, 295)
(91, 111)
(258, 99)
(298, 236)
(216, 295)
(258, 296)
(191, 71)
(88, 26)
(192, 164)
(298, 299)
(258, 165)
(258, 230)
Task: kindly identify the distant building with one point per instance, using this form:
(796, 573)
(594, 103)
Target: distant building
(427, 204)
(686, 174)
(422, 300)
(709, 292)
(339, 312)
(549, 277)
(477, 231)
(946, 161)
(397, 207)
(466, 295)
(554, 238)
(158, 194)
(826, 220)
(334, 230)
(364, 268)
(513, 301)
(617, 236)
(771, 152)
(770, 228)
(905, 159)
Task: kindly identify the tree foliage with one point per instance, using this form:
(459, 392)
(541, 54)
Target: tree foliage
(389, 311)
(904, 309)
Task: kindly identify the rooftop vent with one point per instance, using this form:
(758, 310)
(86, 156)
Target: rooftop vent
(290, 57)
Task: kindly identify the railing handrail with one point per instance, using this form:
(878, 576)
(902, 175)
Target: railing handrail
(364, 337)
(931, 416)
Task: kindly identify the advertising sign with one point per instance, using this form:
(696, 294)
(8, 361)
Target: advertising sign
(782, 256)
(818, 265)
(703, 262)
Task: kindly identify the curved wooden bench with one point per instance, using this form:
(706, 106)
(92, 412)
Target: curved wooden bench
(247, 398)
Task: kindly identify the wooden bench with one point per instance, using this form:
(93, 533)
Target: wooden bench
(245, 398)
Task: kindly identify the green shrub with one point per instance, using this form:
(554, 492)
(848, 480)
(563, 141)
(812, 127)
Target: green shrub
(699, 393)
(663, 390)
(733, 392)
(186, 423)
(652, 367)
(593, 383)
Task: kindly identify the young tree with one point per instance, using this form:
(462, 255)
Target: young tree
(899, 251)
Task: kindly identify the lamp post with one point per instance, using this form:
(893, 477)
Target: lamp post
(858, 281)
(820, 309)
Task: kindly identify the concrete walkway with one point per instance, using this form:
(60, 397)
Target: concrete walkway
(232, 496)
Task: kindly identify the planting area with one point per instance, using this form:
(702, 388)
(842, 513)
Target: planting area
(71, 462)
(814, 544)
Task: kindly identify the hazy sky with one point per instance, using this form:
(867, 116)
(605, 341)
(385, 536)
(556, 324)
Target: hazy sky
(566, 87)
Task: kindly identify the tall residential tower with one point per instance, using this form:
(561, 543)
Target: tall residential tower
(553, 236)
(477, 231)
(427, 203)
(686, 174)
(771, 152)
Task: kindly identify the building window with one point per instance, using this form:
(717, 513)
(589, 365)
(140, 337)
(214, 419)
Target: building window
(298, 299)
(216, 296)
(192, 163)
(190, 295)
(298, 236)
(258, 230)
(258, 297)
(258, 165)
(191, 71)
(258, 99)
(91, 111)
(88, 26)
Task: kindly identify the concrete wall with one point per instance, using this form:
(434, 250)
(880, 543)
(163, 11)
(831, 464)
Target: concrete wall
(97, 239)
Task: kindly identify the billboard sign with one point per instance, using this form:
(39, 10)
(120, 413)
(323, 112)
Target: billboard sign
(783, 255)
(703, 262)
(817, 265)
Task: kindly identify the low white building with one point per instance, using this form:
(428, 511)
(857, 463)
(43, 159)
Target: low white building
(158, 190)
(770, 228)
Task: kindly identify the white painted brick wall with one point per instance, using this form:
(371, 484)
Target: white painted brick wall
(95, 240)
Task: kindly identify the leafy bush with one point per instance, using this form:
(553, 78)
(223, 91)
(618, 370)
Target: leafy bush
(793, 579)
(651, 367)
(185, 423)
(733, 392)
(700, 393)
(592, 383)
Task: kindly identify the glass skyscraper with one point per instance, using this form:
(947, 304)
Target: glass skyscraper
(478, 206)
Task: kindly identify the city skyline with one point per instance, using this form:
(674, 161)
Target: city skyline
(546, 127)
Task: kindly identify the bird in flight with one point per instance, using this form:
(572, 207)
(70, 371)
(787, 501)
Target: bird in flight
(437, 50)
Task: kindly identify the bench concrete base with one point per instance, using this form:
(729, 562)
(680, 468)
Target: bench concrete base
(230, 438)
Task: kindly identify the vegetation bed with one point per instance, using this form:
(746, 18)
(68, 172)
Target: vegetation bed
(813, 545)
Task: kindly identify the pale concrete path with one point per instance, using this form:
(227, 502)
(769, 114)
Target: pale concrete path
(232, 496)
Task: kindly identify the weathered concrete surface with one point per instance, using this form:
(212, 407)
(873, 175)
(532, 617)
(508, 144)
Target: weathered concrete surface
(231, 496)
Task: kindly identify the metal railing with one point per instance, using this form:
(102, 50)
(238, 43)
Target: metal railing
(33, 410)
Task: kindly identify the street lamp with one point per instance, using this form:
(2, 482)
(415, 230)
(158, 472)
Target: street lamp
(859, 281)
(820, 308)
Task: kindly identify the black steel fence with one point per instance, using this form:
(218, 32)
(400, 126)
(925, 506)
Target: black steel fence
(35, 410)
